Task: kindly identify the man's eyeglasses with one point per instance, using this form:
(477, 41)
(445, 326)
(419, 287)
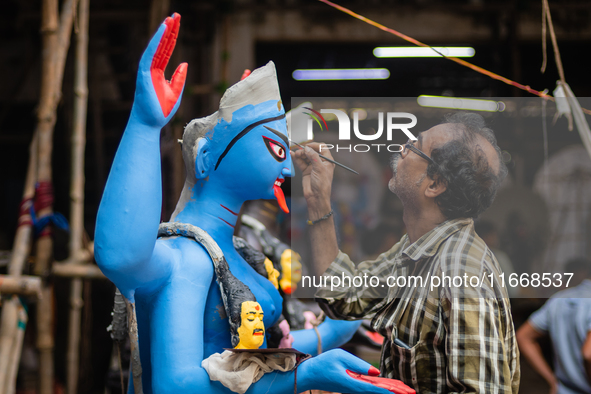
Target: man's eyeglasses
(410, 146)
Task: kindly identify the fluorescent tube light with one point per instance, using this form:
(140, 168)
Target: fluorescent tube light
(338, 74)
(460, 103)
(423, 52)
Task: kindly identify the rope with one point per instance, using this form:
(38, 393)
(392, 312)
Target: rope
(544, 54)
(315, 325)
(43, 196)
(460, 61)
(43, 200)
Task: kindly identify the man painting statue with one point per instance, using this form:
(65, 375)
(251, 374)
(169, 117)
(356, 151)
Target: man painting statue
(447, 339)
(230, 158)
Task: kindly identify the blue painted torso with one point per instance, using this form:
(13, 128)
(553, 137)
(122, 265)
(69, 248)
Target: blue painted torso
(173, 308)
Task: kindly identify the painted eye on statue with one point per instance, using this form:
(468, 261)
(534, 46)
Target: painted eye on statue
(275, 148)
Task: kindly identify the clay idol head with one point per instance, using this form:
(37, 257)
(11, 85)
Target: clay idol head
(252, 330)
(291, 271)
(232, 151)
(245, 314)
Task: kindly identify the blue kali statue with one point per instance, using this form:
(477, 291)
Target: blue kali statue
(230, 158)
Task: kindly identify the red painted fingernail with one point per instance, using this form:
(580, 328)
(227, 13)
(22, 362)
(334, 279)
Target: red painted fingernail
(373, 371)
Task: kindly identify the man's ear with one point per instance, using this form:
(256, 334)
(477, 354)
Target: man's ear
(203, 163)
(435, 187)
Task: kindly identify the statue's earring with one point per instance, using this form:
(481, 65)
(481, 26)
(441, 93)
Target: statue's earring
(202, 161)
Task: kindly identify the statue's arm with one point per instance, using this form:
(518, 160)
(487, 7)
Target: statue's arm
(130, 209)
(333, 371)
(333, 333)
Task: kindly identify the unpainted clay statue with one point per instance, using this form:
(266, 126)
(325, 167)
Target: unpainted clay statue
(230, 158)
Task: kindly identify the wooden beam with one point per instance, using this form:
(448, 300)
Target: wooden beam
(83, 271)
(21, 285)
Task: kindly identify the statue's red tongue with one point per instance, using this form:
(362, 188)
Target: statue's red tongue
(280, 198)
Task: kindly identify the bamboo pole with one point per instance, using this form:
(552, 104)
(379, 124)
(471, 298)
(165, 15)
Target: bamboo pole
(79, 132)
(83, 271)
(8, 335)
(77, 191)
(20, 252)
(56, 41)
(16, 350)
(22, 244)
(45, 123)
(22, 285)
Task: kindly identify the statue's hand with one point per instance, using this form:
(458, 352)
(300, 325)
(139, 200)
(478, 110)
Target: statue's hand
(156, 99)
(347, 373)
(392, 385)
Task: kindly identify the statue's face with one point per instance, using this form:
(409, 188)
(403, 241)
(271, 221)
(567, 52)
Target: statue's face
(251, 152)
(252, 330)
(291, 268)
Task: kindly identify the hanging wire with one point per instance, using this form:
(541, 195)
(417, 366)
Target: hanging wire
(544, 50)
(545, 136)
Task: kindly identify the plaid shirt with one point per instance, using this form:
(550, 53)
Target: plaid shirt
(461, 337)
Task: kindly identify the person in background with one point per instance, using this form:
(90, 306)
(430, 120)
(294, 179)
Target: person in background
(566, 319)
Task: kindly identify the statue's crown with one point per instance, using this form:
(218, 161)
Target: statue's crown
(260, 86)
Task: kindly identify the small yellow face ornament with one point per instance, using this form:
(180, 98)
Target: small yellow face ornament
(291, 268)
(252, 329)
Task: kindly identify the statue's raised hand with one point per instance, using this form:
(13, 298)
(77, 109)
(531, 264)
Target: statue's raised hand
(156, 99)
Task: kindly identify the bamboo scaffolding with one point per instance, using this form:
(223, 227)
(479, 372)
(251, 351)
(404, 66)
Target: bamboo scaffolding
(77, 192)
(22, 285)
(56, 41)
(55, 48)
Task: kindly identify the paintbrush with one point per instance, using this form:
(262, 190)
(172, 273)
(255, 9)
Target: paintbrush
(327, 159)
(324, 157)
